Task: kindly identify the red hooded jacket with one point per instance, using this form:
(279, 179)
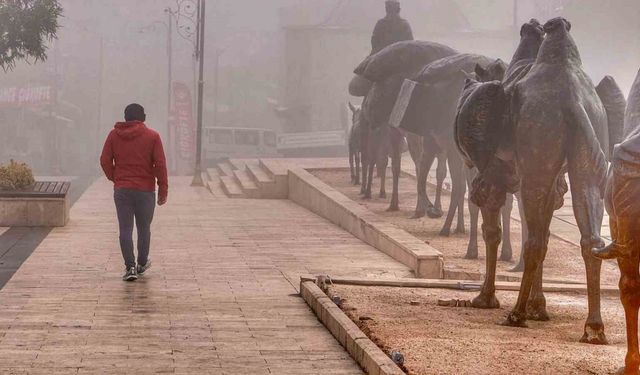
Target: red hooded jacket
(133, 158)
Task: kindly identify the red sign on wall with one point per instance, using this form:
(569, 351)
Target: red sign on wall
(183, 122)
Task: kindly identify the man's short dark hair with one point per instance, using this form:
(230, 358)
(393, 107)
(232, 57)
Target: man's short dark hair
(134, 112)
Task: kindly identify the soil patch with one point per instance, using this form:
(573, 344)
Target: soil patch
(456, 340)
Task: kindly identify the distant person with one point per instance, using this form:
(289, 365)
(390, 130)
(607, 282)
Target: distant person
(133, 158)
(390, 29)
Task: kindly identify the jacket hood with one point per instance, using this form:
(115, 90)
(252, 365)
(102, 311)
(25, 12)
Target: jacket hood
(130, 129)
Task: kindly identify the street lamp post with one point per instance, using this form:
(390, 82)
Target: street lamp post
(170, 134)
(197, 178)
(189, 17)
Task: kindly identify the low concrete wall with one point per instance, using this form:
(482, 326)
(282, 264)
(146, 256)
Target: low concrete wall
(310, 192)
(34, 212)
(367, 354)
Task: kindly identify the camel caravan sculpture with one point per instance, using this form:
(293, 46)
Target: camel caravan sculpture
(519, 129)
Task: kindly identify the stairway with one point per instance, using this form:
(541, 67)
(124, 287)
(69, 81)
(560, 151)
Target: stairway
(250, 178)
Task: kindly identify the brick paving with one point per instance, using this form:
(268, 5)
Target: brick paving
(220, 298)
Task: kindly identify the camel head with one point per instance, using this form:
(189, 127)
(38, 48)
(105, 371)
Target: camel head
(493, 72)
(556, 24)
(533, 28)
(558, 46)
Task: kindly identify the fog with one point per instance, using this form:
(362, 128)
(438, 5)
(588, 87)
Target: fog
(283, 65)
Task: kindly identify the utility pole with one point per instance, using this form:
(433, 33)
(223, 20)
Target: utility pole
(54, 111)
(170, 133)
(216, 83)
(100, 78)
(197, 178)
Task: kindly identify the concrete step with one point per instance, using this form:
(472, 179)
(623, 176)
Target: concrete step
(258, 174)
(279, 173)
(231, 187)
(225, 169)
(238, 164)
(249, 188)
(206, 179)
(273, 168)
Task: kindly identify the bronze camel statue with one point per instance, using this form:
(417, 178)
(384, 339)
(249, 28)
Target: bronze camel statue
(550, 121)
(531, 37)
(572, 129)
(431, 115)
(622, 195)
(388, 69)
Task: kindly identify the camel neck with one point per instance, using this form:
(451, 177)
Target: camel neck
(528, 48)
(559, 48)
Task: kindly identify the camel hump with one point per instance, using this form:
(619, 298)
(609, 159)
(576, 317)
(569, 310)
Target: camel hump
(402, 58)
(480, 122)
(626, 155)
(615, 105)
(481, 131)
(632, 115)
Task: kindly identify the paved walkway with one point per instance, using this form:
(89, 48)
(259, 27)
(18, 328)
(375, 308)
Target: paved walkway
(220, 299)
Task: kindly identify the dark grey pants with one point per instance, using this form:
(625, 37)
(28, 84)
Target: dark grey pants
(138, 205)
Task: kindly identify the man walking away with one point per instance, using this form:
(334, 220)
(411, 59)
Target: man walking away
(391, 29)
(133, 159)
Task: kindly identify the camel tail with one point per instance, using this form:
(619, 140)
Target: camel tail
(615, 104)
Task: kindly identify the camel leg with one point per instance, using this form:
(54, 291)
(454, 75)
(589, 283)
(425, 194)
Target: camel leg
(507, 252)
(460, 225)
(367, 188)
(630, 297)
(396, 166)
(357, 162)
(457, 192)
(365, 158)
(537, 304)
(351, 165)
(441, 175)
(524, 233)
(588, 209)
(424, 205)
(491, 233)
(373, 152)
(474, 211)
(365, 172)
(538, 199)
(382, 173)
(414, 143)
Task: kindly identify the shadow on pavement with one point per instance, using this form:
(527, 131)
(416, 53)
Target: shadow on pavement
(18, 243)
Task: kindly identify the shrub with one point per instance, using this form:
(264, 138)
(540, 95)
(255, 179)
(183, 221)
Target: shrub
(15, 176)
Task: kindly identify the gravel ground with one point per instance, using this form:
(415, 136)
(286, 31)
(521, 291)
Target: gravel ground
(455, 340)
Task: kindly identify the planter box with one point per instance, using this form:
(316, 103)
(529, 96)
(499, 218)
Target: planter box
(45, 204)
